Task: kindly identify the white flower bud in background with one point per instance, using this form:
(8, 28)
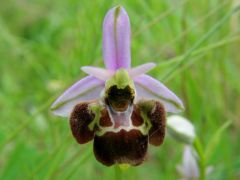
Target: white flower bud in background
(189, 168)
(180, 129)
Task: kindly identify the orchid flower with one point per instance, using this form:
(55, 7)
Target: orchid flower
(120, 107)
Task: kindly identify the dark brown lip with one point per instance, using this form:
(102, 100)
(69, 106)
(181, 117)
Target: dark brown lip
(122, 147)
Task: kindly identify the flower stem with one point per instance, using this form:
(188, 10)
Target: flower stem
(118, 172)
(201, 161)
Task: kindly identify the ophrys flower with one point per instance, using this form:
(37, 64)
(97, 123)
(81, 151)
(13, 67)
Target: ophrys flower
(120, 107)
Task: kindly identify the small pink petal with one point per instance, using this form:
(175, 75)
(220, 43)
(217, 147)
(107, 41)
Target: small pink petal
(189, 167)
(142, 69)
(150, 88)
(86, 89)
(116, 39)
(100, 73)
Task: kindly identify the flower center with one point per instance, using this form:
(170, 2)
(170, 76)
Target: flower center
(119, 99)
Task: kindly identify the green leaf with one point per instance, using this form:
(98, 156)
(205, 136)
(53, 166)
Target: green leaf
(214, 141)
(185, 58)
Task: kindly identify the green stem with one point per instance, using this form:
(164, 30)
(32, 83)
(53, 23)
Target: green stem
(118, 172)
(201, 161)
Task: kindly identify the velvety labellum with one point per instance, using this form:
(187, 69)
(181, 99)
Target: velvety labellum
(116, 142)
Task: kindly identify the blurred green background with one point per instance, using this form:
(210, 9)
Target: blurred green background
(43, 44)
